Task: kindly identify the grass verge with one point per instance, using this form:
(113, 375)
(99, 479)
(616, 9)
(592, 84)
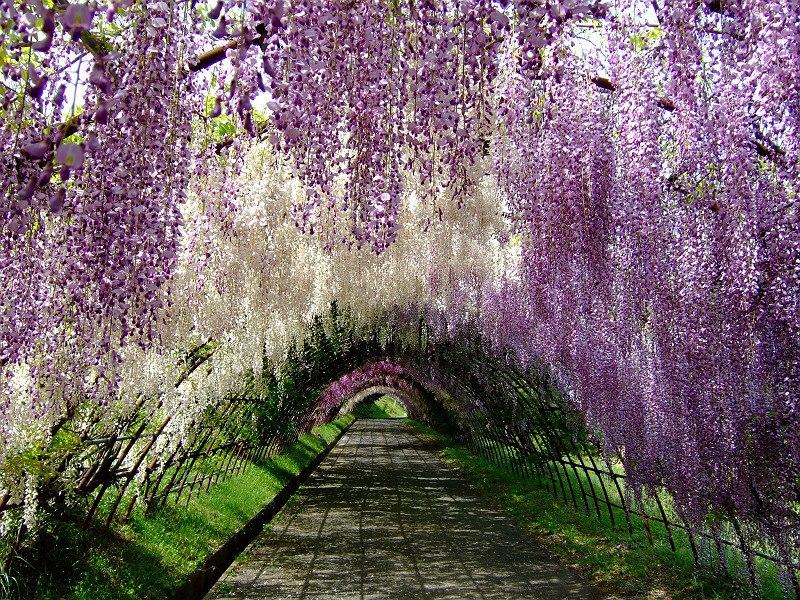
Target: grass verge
(622, 565)
(152, 555)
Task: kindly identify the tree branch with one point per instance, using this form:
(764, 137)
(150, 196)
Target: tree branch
(608, 85)
(213, 56)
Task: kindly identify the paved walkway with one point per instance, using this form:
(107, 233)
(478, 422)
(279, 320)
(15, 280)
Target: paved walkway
(384, 517)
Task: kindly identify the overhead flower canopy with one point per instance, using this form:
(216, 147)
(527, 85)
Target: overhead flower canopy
(607, 188)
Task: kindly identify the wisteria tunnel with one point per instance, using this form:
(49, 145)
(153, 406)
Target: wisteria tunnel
(399, 299)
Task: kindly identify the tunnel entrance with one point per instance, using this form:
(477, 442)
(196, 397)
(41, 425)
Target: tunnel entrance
(380, 406)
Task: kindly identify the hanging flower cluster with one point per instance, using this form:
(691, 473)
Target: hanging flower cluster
(662, 278)
(608, 188)
(97, 129)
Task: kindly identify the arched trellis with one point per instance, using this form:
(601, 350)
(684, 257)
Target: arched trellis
(394, 376)
(512, 416)
(733, 177)
(518, 419)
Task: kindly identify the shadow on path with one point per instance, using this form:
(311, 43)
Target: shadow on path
(385, 517)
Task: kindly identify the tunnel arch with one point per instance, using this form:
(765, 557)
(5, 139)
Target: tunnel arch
(371, 393)
(593, 212)
(393, 375)
(512, 415)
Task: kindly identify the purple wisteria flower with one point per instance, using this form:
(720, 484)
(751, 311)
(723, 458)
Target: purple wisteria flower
(70, 155)
(77, 18)
(650, 197)
(36, 149)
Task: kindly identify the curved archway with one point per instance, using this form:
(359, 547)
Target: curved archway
(371, 393)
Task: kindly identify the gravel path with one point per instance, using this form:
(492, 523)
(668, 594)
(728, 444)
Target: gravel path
(384, 517)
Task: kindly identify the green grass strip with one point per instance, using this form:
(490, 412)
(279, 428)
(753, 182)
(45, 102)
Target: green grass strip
(620, 564)
(152, 555)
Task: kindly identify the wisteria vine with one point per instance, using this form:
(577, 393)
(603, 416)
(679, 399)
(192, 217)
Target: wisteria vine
(609, 188)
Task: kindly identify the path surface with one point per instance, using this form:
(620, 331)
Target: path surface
(384, 517)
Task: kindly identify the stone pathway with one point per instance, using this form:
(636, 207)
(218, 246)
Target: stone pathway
(384, 517)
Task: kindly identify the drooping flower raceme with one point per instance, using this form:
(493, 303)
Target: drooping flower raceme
(606, 188)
